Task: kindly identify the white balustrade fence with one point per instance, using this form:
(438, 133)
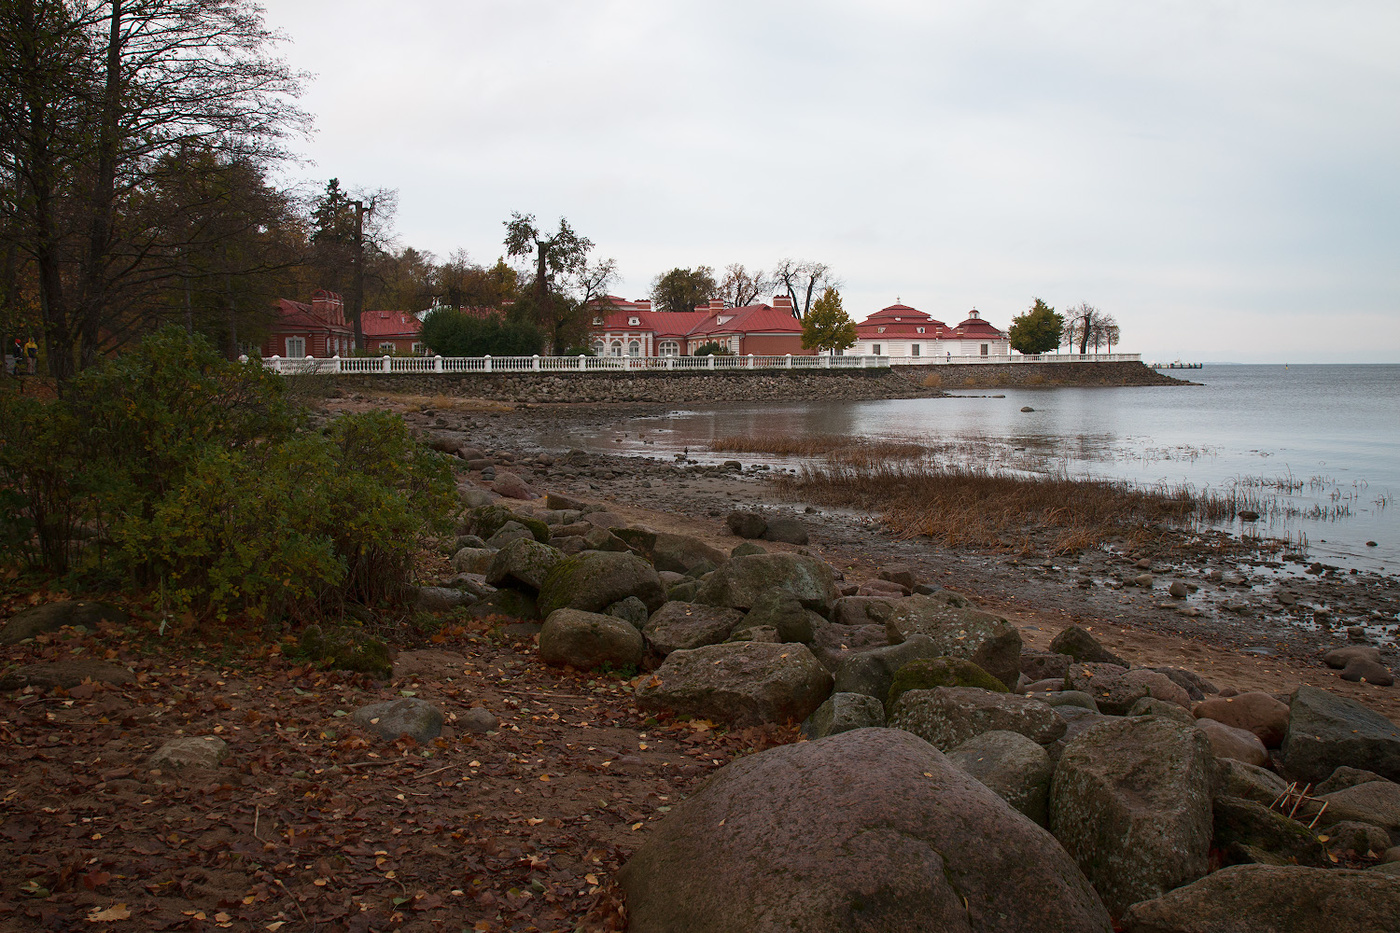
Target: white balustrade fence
(564, 364)
(399, 365)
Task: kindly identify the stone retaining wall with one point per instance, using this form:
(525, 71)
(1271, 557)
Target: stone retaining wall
(1028, 375)
(660, 387)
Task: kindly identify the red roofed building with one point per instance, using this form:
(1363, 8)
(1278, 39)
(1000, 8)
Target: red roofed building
(631, 328)
(392, 332)
(318, 329)
(902, 331)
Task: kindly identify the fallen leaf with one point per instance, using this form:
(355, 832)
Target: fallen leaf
(115, 912)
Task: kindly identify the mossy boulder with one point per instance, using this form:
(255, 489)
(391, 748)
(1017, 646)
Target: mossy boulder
(488, 519)
(927, 673)
(593, 581)
(522, 565)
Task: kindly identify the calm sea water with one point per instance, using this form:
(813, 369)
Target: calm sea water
(1320, 443)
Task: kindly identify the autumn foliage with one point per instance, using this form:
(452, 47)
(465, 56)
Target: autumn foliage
(171, 468)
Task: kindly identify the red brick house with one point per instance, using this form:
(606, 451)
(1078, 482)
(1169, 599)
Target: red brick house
(632, 328)
(317, 329)
(392, 332)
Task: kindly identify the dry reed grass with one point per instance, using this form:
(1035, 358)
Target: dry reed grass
(862, 450)
(965, 505)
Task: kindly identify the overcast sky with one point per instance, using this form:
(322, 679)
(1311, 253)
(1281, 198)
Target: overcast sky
(1223, 177)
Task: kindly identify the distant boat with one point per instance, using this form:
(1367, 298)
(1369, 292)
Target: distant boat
(1177, 364)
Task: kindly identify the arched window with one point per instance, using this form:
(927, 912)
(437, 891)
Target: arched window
(599, 346)
(634, 348)
(616, 348)
(668, 348)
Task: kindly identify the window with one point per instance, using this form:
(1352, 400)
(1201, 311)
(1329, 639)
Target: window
(634, 348)
(633, 321)
(921, 330)
(296, 347)
(419, 349)
(387, 347)
(616, 348)
(914, 349)
(875, 349)
(879, 330)
(984, 349)
(668, 348)
(598, 346)
(597, 321)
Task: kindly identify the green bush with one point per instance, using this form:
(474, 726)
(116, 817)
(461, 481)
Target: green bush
(197, 475)
(712, 349)
(452, 333)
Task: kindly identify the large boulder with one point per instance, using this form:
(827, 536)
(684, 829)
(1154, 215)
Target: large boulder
(1131, 803)
(742, 580)
(681, 553)
(1238, 779)
(946, 717)
(1016, 769)
(678, 625)
(782, 611)
(50, 617)
(1084, 647)
(1273, 899)
(862, 610)
(746, 524)
(1326, 731)
(872, 672)
(1229, 742)
(1374, 802)
(589, 639)
(959, 631)
(1249, 831)
(812, 837)
(842, 712)
(834, 645)
(522, 563)
(1257, 712)
(1116, 688)
(418, 719)
(742, 683)
(594, 581)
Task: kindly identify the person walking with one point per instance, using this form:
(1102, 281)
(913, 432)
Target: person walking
(31, 350)
(14, 356)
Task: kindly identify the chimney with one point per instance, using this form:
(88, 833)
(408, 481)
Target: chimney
(643, 304)
(716, 304)
(782, 302)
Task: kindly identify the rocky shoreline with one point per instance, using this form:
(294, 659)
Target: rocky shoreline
(1137, 793)
(1271, 607)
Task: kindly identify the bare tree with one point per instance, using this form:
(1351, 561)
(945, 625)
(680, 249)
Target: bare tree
(740, 288)
(1086, 326)
(93, 95)
(803, 281)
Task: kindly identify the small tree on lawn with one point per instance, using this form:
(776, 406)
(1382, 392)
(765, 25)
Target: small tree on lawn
(827, 326)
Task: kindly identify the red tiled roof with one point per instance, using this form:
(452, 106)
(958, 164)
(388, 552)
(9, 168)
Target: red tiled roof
(296, 316)
(976, 327)
(753, 319)
(390, 324)
(900, 320)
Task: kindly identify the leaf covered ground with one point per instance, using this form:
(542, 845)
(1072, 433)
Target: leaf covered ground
(313, 824)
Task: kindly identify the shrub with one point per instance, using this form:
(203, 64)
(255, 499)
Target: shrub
(452, 333)
(712, 349)
(196, 474)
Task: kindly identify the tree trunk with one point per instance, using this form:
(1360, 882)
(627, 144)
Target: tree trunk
(92, 295)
